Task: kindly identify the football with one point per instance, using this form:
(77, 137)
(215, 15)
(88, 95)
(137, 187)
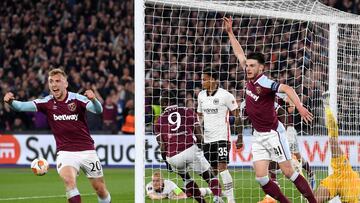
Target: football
(39, 166)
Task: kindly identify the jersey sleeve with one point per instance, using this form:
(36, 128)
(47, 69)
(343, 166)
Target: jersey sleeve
(92, 106)
(268, 83)
(174, 188)
(275, 86)
(149, 188)
(243, 114)
(28, 106)
(41, 104)
(83, 101)
(199, 106)
(231, 102)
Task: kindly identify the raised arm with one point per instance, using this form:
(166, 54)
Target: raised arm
(290, 92)
(238, 51)
(28, 106)
(94, 105)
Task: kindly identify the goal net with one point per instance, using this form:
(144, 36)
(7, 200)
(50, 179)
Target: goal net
(309, 46)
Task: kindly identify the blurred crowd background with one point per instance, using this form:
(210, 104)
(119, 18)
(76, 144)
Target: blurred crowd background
(93, 41)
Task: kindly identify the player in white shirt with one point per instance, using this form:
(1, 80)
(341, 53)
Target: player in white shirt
(160, 188)
(214, 105)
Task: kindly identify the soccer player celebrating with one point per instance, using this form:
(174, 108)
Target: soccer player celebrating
(214, 104)
(65, 112)
(344, 181)
(177, 127)
(270, 141)
(159, 188)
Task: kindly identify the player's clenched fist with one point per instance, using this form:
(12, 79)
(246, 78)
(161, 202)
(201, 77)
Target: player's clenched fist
(9, 97)
(90, 94)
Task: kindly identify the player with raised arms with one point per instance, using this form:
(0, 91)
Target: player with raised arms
(177, 127)
(270, 142)
(65, 113)
(344, 181)
(214, 105)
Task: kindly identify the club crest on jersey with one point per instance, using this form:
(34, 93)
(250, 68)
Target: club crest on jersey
(258, 90)
(72, 106)
(216, 101)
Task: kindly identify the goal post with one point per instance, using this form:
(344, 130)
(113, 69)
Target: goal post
(309, 46)
(139, 178)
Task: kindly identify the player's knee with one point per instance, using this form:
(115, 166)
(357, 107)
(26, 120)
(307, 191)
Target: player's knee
(69, 181)
(222, 167)
(288, 172)
(262, 180)
(287, 169)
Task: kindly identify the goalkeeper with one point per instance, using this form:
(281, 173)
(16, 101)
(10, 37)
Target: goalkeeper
(344, 181)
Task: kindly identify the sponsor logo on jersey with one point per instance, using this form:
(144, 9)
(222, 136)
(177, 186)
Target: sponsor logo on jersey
(258, 89)
(252, 95)
(64, 117)
(216, 101)
(72, 106)
(211, 111)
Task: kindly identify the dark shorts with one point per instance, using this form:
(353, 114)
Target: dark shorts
(216, 152)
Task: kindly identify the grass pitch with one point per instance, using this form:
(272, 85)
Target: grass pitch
(20, 185)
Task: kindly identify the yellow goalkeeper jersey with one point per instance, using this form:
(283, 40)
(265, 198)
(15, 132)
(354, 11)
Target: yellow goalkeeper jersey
(344, 181)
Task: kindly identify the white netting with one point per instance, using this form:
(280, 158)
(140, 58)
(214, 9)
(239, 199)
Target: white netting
(184, 37)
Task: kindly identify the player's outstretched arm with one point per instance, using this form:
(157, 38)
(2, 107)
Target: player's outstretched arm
(28, 106)
(154, 196)
(94, 105)
(177, 193)
(238, 51)
(290, 92)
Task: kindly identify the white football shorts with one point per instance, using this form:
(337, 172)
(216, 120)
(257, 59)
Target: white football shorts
(87, 160)
(271, 145)
(291, 135)
(191, 158)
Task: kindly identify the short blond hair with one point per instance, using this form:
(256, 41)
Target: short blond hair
(157, 174)
(57, 71)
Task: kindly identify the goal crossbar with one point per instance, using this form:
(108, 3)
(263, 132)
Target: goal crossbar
(313, 11)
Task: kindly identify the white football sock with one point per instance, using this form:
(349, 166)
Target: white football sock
(72, 193)
(228, 185)
(106, 200)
